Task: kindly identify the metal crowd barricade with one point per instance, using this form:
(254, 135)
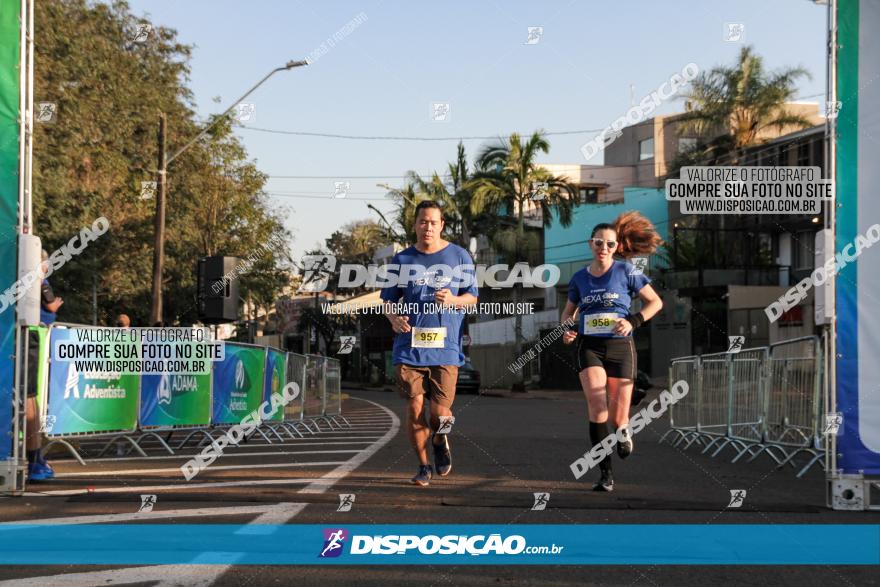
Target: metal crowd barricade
(333, 393)
(762, 400)
(319, 402)
(684, 414)
(294, 420)
(794, 400)
(714, 407)
(315, 399)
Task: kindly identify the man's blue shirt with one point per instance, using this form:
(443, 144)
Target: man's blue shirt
(449, 268)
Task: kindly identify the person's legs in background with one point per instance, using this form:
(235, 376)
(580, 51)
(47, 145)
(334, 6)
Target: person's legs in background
(38, 468)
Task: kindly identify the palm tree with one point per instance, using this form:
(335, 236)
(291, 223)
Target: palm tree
(453, 195)
(507, 180)
(737, 103)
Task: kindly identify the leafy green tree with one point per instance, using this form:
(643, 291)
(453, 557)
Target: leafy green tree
(108, 88)
(740, 101)
(452, 191)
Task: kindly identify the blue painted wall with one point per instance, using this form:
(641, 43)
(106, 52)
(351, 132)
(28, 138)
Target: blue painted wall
(567, 246)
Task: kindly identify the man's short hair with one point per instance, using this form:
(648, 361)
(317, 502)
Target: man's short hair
(123, 321)
(425, 204)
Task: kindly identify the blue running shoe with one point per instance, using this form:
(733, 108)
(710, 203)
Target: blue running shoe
(442, 455)
(39, 472)
(46, 468)
(423, 477)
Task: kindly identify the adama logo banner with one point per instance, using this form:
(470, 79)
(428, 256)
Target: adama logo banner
(175, 400)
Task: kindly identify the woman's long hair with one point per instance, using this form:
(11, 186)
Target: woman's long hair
(635, 234)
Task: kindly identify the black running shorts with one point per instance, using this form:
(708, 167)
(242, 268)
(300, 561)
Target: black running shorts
(616, 355)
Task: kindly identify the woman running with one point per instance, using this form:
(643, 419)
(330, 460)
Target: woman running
(601, 294)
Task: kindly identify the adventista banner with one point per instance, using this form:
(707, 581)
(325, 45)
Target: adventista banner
(858, 284)
(87, 402)
(238, 383)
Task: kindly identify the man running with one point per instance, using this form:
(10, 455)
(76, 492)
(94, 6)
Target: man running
(427, 343)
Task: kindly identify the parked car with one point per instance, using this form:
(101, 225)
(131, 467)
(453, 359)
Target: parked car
(468, 379)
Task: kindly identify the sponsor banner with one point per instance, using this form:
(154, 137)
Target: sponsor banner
(87, 401)
(858, 208)
(511, 544)
(238, 383)
(275, 378)
(175, 400)
(10, 136)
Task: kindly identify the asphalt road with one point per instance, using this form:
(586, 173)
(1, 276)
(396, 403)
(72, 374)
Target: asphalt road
(504, 450)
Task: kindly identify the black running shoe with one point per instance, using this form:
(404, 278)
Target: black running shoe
(605, 483)
(625, 447)
(442, 455)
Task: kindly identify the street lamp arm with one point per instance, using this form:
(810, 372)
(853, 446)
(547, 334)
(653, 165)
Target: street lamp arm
(289, 65)
(382, 216)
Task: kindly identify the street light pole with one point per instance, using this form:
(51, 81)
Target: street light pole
(159, 231)
(161, 181)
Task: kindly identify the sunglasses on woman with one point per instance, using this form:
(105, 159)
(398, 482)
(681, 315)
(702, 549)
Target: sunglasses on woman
(598, 242)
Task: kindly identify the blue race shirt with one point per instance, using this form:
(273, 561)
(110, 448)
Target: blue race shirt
(46, 295)
(449, 268)
(601, 300)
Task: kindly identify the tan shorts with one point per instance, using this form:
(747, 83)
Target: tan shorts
(437, 382)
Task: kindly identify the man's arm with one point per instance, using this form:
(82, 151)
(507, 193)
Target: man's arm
(49, 301)
(399, 324)
(465, 300)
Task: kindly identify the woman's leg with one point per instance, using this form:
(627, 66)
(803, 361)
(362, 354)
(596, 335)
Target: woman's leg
(619, 399)
(593, 381)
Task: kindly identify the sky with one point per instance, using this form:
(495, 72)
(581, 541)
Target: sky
(399, 58)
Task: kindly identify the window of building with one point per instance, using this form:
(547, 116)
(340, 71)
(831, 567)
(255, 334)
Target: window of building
(646, 149)
(803, 250)
(588, 195)
(764, 254)
(686, 144)
(803, 154)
